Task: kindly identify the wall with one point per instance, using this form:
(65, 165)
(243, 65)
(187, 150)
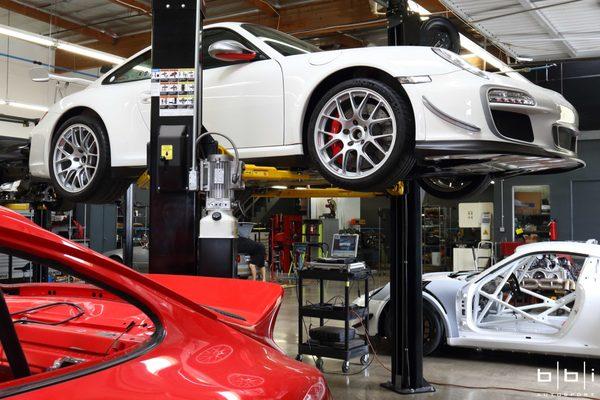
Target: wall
(347, 209)
(564, 205)
(15, 83)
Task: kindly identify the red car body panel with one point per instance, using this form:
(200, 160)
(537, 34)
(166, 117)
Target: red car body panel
(185, 351)
(256, 302)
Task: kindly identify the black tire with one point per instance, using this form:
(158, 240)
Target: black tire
(440, 32)
(101, 188)
(116, 258)
(319, 364)
(464, 186)
(433, 328)
(401, 158)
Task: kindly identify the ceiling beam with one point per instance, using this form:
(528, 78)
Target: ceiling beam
(265, 7)
(134, 5)
(52, 19)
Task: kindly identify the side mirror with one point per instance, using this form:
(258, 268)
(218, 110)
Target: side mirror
(39, 74)
(230, 50)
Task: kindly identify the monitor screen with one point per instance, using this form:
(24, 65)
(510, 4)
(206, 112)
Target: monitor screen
(344, 245)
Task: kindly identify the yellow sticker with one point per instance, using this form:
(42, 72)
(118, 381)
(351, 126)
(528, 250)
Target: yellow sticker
(166, 151)
(347, 283)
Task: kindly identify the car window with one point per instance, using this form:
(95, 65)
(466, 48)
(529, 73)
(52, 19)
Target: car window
(137, 69)
(64, 323)
(213, 35)
(285, 44)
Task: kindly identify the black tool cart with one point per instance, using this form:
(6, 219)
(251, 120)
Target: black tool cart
(342, 343)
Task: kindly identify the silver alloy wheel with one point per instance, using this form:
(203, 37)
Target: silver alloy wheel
(75, 158)
(355, 133)
(448, 184)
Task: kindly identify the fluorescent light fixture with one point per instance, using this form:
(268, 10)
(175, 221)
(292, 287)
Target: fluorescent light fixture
(91, 53)
(27, 36)
(25, 106)
(59, 44)
(279, 187)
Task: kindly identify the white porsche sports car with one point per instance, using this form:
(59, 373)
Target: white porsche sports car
(367, 117)
(542, 299)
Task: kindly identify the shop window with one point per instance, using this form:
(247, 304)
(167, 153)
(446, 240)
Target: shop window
(531, 211)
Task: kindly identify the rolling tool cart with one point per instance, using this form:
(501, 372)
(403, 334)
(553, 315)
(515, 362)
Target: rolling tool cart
(328, 341)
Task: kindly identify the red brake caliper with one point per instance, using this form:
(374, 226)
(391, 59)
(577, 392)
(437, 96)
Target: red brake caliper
(335, 127)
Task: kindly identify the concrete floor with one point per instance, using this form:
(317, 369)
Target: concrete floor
(453, 366)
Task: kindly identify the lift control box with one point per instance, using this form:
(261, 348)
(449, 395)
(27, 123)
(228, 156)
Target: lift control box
(171, 168)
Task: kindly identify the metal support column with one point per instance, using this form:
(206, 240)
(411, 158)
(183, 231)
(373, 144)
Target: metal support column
(41, 216)
(396, 11)
(406, 294)
(176, 27)
(128, 228)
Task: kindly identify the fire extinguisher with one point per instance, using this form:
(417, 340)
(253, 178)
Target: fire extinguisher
(553, 229)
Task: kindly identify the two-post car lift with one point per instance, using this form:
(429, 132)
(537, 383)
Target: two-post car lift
(174, 208)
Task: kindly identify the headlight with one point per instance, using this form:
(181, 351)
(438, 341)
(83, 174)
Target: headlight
(457, 60)
(504, 96)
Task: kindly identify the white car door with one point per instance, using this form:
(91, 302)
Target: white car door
(242, 99)
(126, 94)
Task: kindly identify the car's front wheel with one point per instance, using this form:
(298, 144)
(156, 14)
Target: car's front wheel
(361, 135)
(433, 328)
(455, 187)
(80, 162)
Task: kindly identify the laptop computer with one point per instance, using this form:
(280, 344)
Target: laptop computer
(344, 249)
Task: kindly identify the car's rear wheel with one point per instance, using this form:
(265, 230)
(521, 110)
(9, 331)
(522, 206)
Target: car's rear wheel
(361, 135)
(80, 162)
(455, 187)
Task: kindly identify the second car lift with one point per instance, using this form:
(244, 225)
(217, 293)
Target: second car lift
(174, 185)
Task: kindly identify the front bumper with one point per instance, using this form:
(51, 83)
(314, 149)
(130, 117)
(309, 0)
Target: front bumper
(500, 159)
(458, 131)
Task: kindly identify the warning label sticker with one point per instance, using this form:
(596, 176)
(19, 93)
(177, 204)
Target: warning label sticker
(175, 89)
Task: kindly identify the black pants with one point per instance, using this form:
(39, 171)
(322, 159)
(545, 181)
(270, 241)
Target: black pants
(255, 250)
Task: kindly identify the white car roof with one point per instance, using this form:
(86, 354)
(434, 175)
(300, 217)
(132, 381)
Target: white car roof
(562, 246)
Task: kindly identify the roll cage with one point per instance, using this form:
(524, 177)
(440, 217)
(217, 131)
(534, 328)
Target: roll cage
(489, 302)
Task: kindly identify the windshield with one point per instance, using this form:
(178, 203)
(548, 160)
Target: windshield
(285, 44)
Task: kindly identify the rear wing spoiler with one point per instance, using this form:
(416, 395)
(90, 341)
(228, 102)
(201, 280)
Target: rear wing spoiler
(43, 75)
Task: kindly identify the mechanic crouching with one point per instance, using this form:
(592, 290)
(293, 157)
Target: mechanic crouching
(256, 251)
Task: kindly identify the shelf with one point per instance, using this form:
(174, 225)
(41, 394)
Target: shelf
(357, 348)
(334, 274)
(332, 312)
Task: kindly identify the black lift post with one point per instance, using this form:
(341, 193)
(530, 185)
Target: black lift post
(406, 294)
(42, 217)
(406, 270)
(171, 154)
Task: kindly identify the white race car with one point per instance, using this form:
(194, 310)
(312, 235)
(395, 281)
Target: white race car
(542, 299)
(366, 117)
